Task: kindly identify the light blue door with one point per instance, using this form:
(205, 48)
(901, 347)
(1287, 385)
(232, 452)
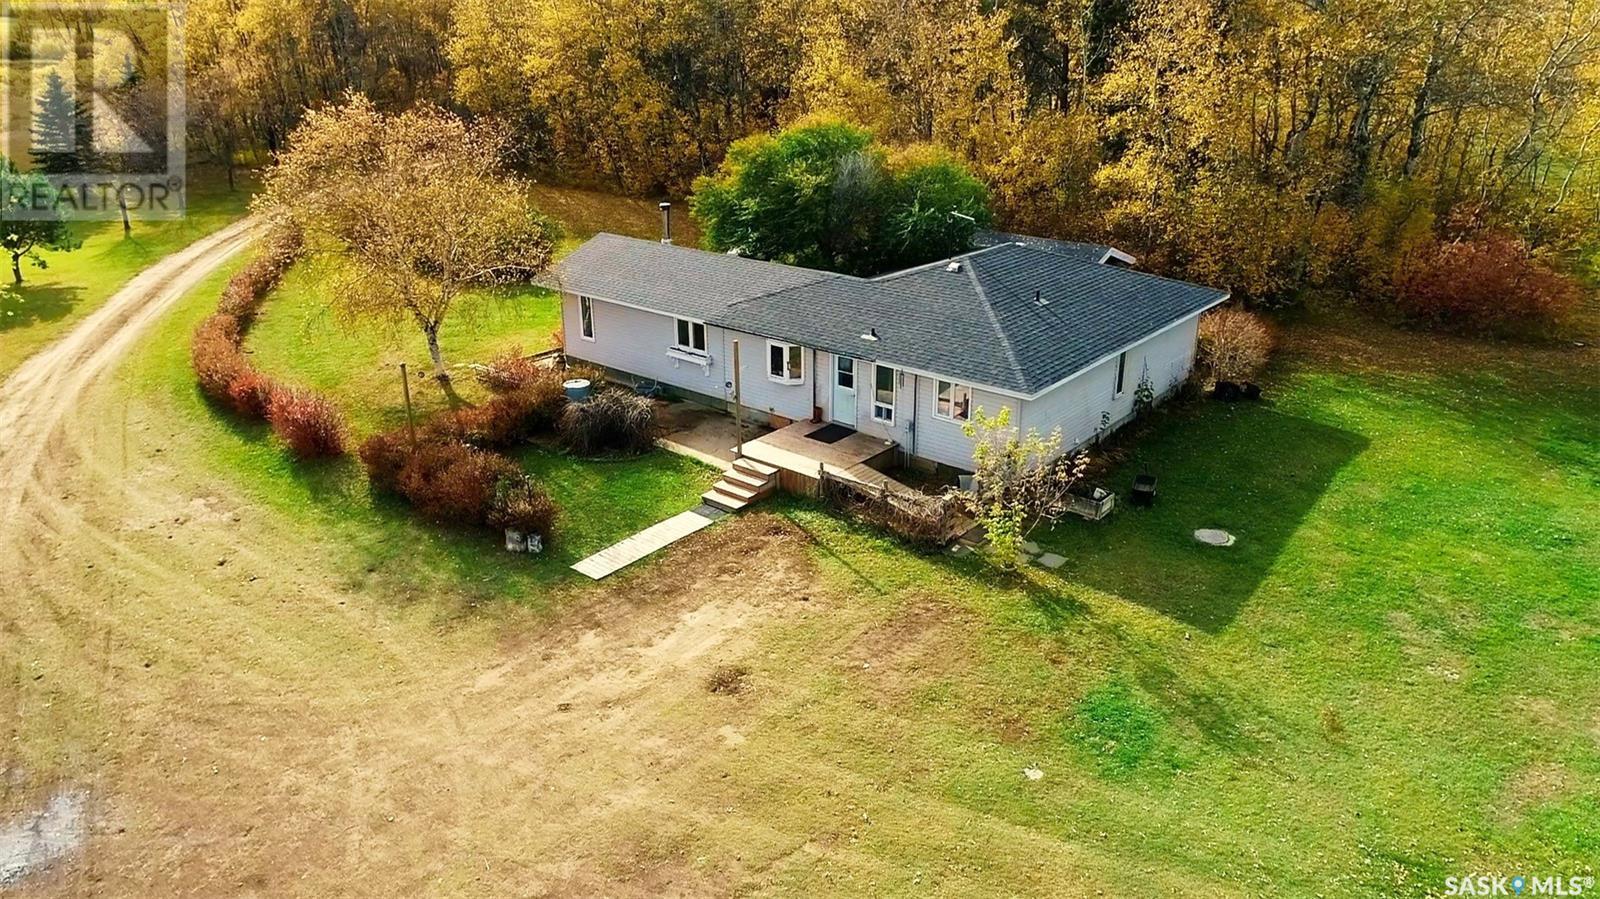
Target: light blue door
(843, 407)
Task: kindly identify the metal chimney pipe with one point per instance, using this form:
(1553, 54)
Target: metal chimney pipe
(666, 223)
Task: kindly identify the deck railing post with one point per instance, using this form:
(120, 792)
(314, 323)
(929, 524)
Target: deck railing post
(738, 401)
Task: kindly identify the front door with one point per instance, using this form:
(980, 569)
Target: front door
(844, 391)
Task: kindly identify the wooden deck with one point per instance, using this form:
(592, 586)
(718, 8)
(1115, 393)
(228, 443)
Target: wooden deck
(625, 552)
(791, 450)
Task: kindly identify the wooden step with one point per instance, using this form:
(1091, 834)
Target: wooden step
(748, 481)
(737, 491)
(723, 501)
(752, 467)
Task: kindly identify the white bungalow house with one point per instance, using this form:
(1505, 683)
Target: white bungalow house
(1060, 333)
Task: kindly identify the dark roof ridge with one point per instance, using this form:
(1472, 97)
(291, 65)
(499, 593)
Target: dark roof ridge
(994, 322)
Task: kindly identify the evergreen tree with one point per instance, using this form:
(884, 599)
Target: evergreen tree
(63, 134)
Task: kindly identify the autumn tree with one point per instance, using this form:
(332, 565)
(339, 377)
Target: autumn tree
(415, 209)
(824, 194)
(32, 220)
(1020, 480)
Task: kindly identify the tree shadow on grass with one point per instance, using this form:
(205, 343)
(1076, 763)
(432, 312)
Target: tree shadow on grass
(30, 304)
(1247, 469)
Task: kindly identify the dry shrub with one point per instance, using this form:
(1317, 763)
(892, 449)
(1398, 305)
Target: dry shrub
(612, 421)
(384, 456)
(454, 483)
(309, 425)
(251, 392)
(728, 680)
(927, 522)
(520, 505)
(1487, 284)
(509, 371)
(215, 356)
(1234, 344)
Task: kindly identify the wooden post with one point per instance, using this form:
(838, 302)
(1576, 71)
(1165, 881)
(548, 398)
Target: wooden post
(738, 400)
(411, 422)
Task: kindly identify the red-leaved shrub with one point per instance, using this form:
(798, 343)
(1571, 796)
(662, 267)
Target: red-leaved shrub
(509, 371)
(215, 356)
(250, 285)
(251, 393)
(454, 483)
(384, 456)
(309, 425)
(1489, 283)
(520, 505)
(506, 420)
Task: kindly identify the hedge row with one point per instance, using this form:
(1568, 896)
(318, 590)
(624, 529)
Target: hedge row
(309, 425)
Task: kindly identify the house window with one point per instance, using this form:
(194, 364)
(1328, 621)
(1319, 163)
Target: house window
(785, 362)
(691, 335)
(883, 380)
(1122, 374)
(953, 402)
(586, 318)
(847, 371)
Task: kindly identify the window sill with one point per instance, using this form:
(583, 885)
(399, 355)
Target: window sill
(790, 381)
(684, 354)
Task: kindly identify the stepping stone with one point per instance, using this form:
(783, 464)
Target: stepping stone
(1030, 548)
(1214, 537)
(1051, 560)
(960, 549)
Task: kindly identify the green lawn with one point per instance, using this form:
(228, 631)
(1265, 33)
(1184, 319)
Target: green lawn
(295, 341)
(74, 284)
(1393, 677)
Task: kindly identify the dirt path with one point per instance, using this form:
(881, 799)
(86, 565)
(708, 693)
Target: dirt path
(41, 394)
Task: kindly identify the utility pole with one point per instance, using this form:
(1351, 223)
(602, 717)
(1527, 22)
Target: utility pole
(411, 421)
(738, 400)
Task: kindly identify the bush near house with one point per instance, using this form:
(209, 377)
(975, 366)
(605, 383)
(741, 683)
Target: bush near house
(1234, 345)
(612, 421)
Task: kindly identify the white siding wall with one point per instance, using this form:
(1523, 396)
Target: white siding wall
(1076, 406)
(636, 342)
(942, 440)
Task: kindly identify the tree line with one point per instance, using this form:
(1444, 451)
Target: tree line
(1265, 145)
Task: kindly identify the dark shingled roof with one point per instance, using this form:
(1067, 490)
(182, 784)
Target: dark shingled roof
(980, 323)
(676, 280)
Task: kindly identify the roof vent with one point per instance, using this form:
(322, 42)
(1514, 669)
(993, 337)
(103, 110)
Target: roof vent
(954, 266)
(872, 334)
(1038, 297)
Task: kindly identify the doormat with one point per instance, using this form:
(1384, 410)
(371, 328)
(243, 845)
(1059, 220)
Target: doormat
(830, 433)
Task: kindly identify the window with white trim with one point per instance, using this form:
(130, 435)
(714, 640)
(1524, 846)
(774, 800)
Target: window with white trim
(883, 387)
(785, 362)
(691, 335)
(952, 401)
(1122, 374)
(586, 318)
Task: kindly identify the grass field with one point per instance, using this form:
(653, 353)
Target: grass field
(75, 283)
(271, 679)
